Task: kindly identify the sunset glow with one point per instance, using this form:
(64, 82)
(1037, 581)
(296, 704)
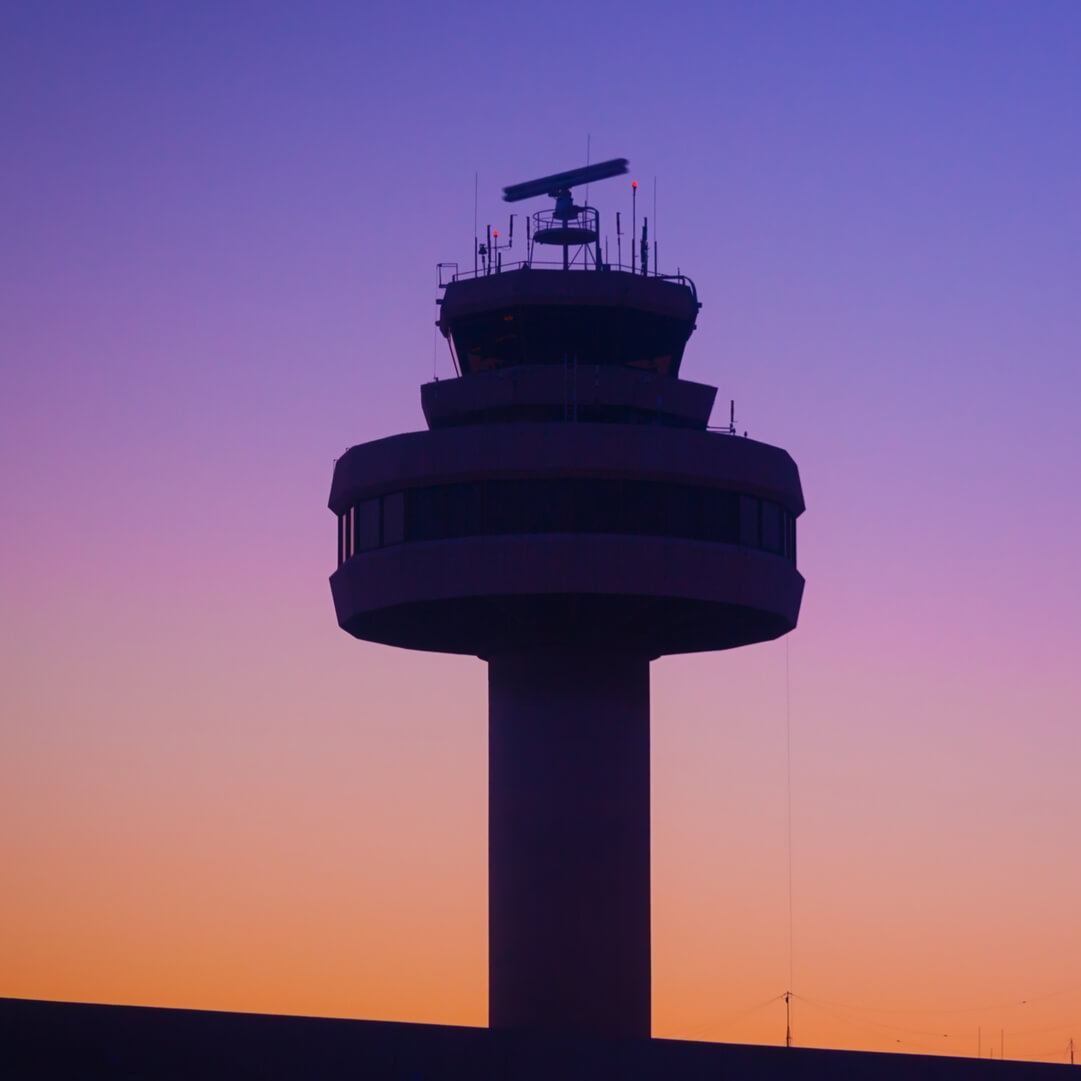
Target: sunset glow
(221, 232)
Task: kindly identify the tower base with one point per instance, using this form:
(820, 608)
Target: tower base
(568, 834)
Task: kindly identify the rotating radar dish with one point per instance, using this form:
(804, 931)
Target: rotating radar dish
(562, 182)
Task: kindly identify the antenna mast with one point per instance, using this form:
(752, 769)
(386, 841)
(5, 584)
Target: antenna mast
(656, 265)
(588, 136)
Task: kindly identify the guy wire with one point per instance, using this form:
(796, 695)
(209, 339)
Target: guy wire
(788, 786)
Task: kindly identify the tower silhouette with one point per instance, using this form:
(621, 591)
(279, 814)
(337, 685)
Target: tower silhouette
(568, 517)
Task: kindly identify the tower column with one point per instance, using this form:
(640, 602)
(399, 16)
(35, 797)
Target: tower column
(568, 841)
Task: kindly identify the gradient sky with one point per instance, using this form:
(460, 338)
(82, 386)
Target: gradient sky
(219, 225)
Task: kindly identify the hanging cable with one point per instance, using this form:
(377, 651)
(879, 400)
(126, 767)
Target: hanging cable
(788, 790)
(722, 1018)
(863, 1008)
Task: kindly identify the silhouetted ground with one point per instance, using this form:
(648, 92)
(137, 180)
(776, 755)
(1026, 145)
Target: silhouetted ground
(74, 1042)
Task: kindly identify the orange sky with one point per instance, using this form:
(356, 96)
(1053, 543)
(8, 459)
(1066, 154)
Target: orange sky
(336, 865)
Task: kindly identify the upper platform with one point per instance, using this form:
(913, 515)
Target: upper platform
(533, 316)
(538, 392)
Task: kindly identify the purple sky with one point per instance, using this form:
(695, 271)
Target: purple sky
(219, 234)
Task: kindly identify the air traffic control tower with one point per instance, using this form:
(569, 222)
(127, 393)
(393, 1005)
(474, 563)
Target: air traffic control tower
(567, 517)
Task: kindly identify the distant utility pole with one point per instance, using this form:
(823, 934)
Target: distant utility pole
(1071, 1050)
(788, 1022)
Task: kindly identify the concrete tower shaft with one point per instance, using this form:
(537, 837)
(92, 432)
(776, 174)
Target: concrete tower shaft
(568, 840)
(568, 518)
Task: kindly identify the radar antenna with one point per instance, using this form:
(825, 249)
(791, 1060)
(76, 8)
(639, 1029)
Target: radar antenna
(555, 226)
(558, 183)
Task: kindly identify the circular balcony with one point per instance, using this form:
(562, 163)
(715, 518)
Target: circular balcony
(474, 539)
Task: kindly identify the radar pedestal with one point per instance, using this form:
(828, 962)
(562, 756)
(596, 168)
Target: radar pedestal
(568, 518)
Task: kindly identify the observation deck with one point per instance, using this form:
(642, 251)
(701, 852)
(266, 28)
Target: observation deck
(474, 538)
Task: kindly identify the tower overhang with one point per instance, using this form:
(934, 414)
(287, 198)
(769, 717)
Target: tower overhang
(466, 539)
(653, 595)
(524, 451)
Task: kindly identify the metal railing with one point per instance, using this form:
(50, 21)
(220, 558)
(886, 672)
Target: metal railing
(448, 275)
(586, 219)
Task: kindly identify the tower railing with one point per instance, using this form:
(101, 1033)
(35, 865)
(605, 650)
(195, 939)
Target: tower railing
(585, 218)
(451, 272)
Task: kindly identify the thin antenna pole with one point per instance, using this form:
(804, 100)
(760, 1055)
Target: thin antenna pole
(634, 219)
(587, 166)
(787, 1019)
(788, 788)
(656, 267)
(1071, 1050)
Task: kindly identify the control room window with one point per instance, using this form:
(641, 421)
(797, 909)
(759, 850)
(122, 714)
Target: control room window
(720, 517)
(748, 521)
(503, 506)
(394, 518)
(366, 525)
(685, 511)
(423, 513)
(645, 509)
(461, 510)
(772, 539)
(598, 506)
(551, 508)
(532, 506)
